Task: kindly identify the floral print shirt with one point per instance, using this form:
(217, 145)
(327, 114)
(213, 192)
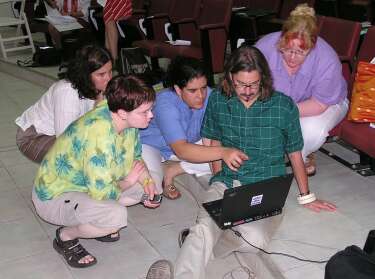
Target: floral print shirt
(90, 156)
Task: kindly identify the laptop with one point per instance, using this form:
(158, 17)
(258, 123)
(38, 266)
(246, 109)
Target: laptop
(250, 202)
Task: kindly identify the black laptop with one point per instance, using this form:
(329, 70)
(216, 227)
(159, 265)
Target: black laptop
(250, 202)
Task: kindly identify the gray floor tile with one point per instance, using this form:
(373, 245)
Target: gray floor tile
(284, 263)
(44, 265)
(8, 137)
(166, 214)
(21, 238)
(130, 257)
(12, 206)
(23, 174)
(308, 272)
(164, 239)
(14, 157)
(6, 181)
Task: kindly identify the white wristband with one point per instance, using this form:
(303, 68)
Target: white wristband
(306, 198)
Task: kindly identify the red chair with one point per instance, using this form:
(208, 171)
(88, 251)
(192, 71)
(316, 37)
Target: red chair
(359, 135)
(343, 36)
(208, 35)
(179, 12)
(154, 19)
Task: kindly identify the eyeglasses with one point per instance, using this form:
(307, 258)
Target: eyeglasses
(298, 53)
(242, 86)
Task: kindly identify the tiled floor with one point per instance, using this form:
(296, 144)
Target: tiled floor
(25, 240)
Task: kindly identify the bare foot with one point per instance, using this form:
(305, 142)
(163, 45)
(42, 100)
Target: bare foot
(171, 170)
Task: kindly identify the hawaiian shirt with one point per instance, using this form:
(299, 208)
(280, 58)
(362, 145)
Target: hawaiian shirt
(90, 156)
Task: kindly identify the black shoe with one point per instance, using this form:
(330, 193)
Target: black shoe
(182, 236)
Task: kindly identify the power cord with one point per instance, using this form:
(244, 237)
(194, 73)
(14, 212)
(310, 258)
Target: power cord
(237, 233)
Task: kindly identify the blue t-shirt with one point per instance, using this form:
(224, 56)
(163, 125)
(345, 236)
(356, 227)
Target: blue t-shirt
(173, 120)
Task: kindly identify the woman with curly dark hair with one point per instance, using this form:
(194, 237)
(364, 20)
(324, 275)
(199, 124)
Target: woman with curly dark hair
(79, 89)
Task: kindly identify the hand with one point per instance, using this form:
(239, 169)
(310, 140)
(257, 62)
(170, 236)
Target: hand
(150, 191)
(133, 176)
(233, 158)
(319, 205)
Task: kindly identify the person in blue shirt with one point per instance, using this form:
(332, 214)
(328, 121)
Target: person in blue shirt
(174, 132)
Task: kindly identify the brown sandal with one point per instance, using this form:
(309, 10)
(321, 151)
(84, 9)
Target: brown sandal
(310, 165)
(171, 192)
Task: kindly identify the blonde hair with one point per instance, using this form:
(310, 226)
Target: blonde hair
(301, 24)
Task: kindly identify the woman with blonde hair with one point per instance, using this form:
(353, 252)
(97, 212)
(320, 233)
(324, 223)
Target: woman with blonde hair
(307, 68)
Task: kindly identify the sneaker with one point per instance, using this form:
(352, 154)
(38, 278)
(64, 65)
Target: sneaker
(182, 236)
(161, 269)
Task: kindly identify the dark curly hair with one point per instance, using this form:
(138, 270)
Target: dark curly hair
(248, 59)
(87, 60)
(181, 70)
(127, 93)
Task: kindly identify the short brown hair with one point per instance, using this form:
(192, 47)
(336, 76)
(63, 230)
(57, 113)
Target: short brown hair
(248, 59)
(127, 93)
(301, 24)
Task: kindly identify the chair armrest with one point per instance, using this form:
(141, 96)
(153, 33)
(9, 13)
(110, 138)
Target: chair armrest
(155, 16)
(212, 26)
(183, 20)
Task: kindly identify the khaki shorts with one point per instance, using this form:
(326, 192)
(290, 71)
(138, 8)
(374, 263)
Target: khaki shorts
(75, 208)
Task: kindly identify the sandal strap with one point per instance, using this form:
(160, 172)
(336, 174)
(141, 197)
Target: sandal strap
(75, 252)
(72, 251)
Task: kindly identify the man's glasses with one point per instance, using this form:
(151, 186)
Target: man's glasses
(242, 86)
(296, 52)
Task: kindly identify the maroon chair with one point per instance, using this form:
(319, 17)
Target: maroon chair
(179, 12)
(209, 40)
(273, 24)
(129, 29)
(244, 23)
(155, 19)
(343, 35)
(360, 135)
(207, 33)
